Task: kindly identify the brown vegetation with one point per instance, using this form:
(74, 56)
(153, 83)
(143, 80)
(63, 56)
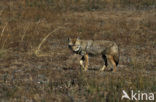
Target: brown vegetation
(37, 66)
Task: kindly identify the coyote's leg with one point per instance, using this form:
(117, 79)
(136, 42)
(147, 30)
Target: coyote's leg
(106, 63)
(103, 68)
(86, 62)
(110, 58)
(82, 62)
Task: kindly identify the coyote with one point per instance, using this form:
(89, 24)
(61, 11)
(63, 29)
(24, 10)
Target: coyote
(107, 49)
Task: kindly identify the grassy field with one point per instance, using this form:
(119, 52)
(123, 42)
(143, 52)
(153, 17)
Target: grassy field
(37, 66)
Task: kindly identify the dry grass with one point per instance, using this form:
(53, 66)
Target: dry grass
(54, 75)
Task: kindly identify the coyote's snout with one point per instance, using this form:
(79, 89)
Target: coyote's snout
(107, 49)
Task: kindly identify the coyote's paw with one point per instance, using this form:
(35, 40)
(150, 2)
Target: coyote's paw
(103, 68)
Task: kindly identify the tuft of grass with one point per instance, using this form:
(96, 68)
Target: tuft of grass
(3, 52)
(44, 39)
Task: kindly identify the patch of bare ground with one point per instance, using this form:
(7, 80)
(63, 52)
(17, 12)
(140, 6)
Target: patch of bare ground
(37, 66)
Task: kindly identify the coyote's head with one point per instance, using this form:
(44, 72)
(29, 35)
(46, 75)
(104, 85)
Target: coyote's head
(74, 44)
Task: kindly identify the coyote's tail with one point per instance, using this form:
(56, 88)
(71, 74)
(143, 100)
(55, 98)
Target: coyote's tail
(116, 59)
